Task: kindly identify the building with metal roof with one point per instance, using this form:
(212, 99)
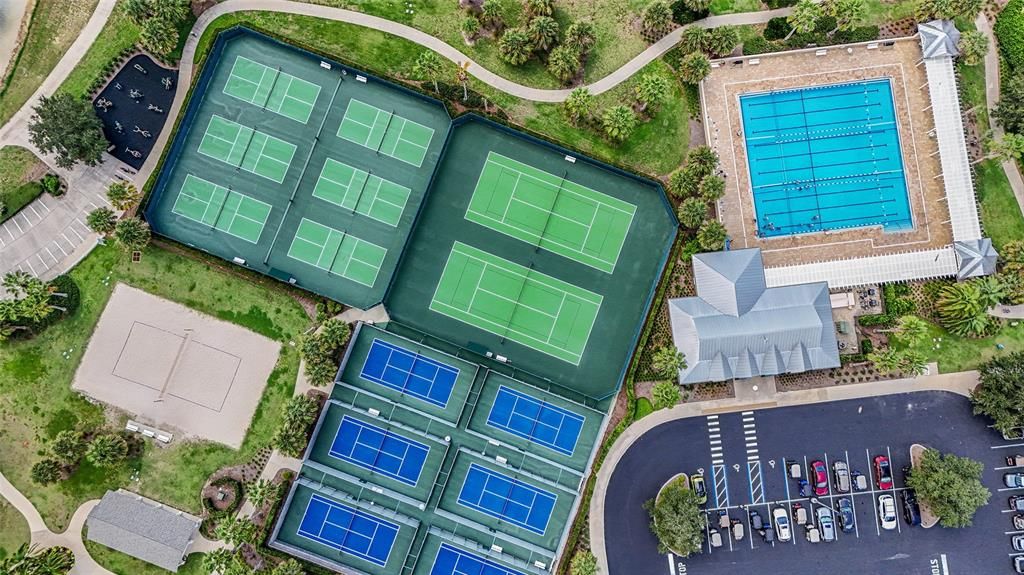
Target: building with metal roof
(738, 327)
(143, 528)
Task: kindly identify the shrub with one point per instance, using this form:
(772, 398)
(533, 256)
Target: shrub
(758, 45)
(293, 433)
(774, 4)
(682, 14)
(46, 471)
(107, 450)
(1009, 29)
(51, 185)
(877, 320)
(776, 29)
(665, 394)
(858, 34)
(866, 346)
(677, 520)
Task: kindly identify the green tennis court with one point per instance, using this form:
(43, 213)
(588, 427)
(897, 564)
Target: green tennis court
(385, 132)
(515, 302)
(362, 192)
(271, 89)
(551, 212)
(248, 149)
(337, 252)
(225, 210)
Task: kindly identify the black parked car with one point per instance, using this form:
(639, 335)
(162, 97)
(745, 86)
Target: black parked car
(846, 517)
(911, 511)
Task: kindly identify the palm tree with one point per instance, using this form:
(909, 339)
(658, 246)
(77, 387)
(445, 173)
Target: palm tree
(470, 28)
(912, 362)
(68, 447)
(712, 188)
(132, 233)
(667, 361)
(543, 32)
(962, 311)
(54, 561)
(991, 291)
(1008, 148)
(122, 195)
(536, 8)
(723, 40)
(703, 159)
(580, 35)
(564, 63)
(695, 39)
(657, 17)
(684, 182)
(651, 90)
(694, 67)
(803, 17)
(462, 77)
(911, 329)
(711, 236)
(237, 531)
(101, 220)
(218, 560)
(848, 13)
(515, 46)
(493, 14)
(697, 5)
(289, 567)
(428, 67)
(579, 105)
(692, 213)
(973, 47)
(619, 122)
(886, 361)
(107, 450)
(261, 492)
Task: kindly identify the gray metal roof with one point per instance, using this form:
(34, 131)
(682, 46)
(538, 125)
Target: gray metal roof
(736, 327)
(142, 528)
(939, 38)
(976, 258)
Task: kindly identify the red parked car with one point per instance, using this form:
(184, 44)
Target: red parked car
(819, 476)
(883, 474)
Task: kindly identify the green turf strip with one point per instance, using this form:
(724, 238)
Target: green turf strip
(512, 301)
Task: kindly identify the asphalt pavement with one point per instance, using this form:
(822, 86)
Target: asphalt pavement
(742, 456)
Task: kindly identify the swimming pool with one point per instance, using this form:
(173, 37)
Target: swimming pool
(825, 158)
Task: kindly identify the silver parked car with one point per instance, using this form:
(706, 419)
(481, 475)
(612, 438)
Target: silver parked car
(841, 476)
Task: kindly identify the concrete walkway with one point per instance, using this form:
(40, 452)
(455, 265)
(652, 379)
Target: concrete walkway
(992, 98)
(1008, 311)
(56, 238)
(960, 383)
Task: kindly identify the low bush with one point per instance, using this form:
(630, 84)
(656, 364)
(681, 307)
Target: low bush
(776, 29)
(758, 45)
(682, 15)
(858, 34)
(877, 320)
(1009, 29)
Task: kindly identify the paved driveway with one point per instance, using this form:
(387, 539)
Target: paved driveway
(742, 454)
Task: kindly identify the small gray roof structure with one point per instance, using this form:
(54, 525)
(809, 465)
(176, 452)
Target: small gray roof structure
(939, 38)
(737, 327)
(976, 258)
(143, 528)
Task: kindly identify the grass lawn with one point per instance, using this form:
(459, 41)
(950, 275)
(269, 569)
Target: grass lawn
(20, 171)
(878, 12)
(122, 564)
(1000, 213)
(960, 354)
(55, 25)
(731, 6)
(36, 401)
(13, 529)
(656, 148)
(118, 34)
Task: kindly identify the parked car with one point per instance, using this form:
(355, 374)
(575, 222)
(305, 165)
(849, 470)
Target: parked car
(737, 529)
(1018, 564)
(756, 521)
(781, 520)
(768, 534)
(699, 488)
(1018, 542)
(1018, 522)
(1015, 460)
(860, 482)
(847, 520)
(826, 524)
(1013, 479)
(883, 473)
(887, 511)
(841, 476)
(1017, 502)
(819, 476)
(715, 538)
(799, 514)
(911, 510)
(813, 535)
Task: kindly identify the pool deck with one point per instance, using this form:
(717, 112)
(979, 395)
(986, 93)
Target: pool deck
(732, 77)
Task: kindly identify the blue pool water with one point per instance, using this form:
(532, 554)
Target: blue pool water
(825, 158)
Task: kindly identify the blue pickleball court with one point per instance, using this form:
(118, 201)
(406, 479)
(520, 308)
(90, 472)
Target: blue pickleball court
(507, 499)
(379, 450)
(454, 561)
(409, 372)
(535, 420)
(348, 530)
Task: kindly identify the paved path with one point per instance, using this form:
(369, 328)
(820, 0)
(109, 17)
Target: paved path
(49, 236)
(961, 383)
(992, 98)
(1008, 311)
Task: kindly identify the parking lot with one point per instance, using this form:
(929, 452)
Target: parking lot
(742, 458)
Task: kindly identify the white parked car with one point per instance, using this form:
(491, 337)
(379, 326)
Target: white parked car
(887, 511)
(781, 520)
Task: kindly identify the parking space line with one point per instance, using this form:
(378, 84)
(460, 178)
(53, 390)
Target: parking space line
(672, 564)
(895, 499)
(871, 485)
(853, 500)
(719, 476)
(80, 238)
(1007, 445)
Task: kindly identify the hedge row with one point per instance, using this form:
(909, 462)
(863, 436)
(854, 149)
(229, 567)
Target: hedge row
(1009, 31)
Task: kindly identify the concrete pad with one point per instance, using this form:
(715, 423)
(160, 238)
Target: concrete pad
(174, 368)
